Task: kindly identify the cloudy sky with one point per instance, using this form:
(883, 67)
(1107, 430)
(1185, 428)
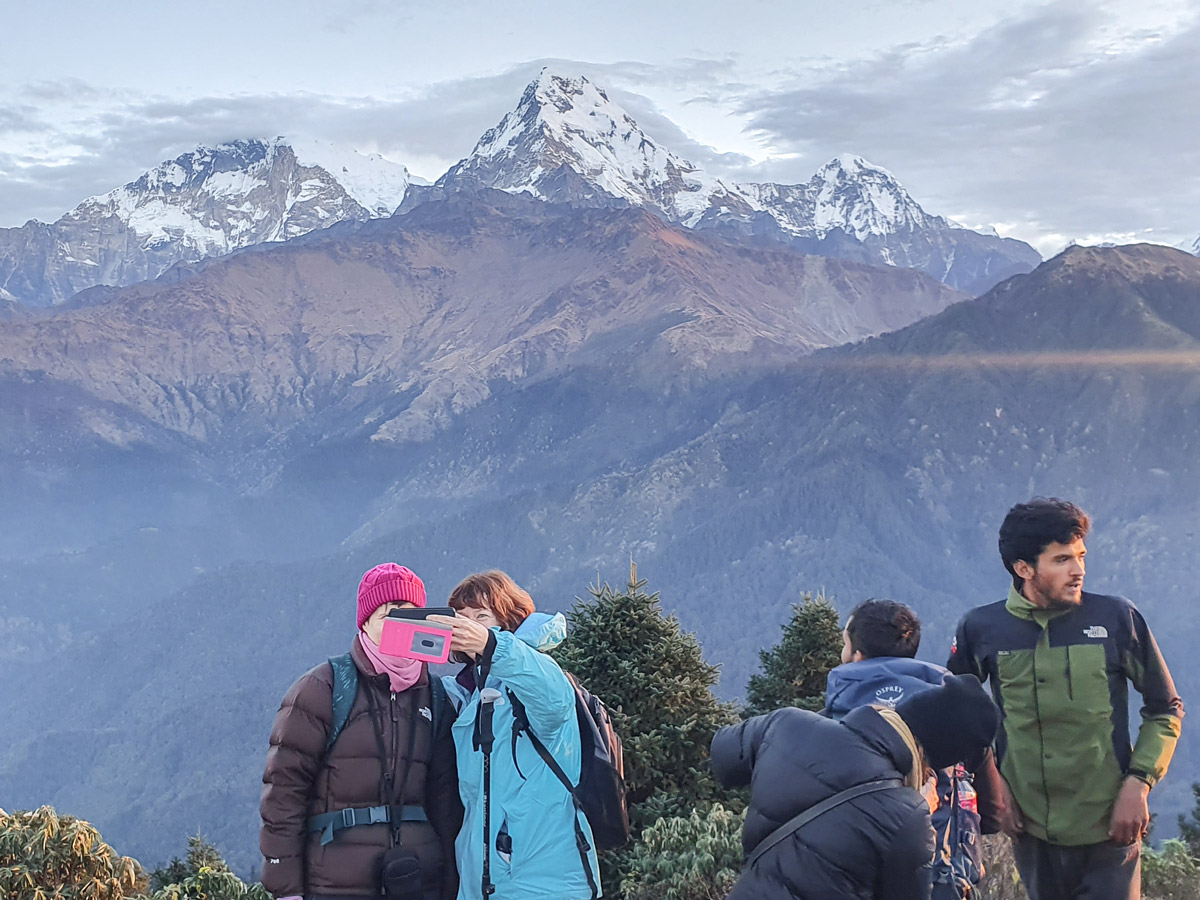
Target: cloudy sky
(1050, 121)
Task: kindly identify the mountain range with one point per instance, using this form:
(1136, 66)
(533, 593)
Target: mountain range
(565, 142)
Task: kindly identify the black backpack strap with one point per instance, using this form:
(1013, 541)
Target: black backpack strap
(521, 724)
(796, 823)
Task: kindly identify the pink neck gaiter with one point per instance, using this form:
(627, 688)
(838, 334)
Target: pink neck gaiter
(402, 673)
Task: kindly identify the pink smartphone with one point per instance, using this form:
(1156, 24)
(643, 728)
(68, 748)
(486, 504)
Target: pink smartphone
(415, 639)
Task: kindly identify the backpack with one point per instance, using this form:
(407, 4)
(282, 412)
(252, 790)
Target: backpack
(958, 864)
(600, 794)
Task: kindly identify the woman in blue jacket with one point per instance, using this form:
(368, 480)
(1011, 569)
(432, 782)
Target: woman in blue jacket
(539, 847)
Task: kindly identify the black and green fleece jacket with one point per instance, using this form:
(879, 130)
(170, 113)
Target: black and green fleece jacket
(1061, 677)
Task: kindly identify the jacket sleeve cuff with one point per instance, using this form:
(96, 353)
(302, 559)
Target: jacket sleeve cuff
(1141, 775)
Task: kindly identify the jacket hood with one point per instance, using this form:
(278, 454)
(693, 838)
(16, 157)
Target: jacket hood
(886, 680)
(543, 631)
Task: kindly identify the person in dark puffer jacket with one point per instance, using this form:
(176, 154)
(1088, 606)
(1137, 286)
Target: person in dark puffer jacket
(392, 751)
(876, 847)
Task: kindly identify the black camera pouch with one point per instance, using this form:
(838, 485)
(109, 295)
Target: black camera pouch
(400, 875)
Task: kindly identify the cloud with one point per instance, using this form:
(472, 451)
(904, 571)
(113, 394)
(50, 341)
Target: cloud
(1055, 124)
(1047, 125)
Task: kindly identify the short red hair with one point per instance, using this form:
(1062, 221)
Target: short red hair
(495, 591)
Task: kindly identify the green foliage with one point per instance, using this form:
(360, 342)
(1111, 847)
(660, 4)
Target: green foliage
(172, 873)
(202, 876)
(794, 670)
(697, 857)
(44, 855)
(1171, 873)
(658, 687)
(1189, 832)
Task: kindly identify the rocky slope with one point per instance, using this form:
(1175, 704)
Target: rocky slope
(399, 325)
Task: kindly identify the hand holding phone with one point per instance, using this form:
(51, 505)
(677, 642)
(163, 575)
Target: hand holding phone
(408, 634)
(470, 637)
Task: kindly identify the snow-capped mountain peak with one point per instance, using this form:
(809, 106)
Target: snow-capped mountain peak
(567, 140)
(862, 199)
(207, 202)
(376, 183)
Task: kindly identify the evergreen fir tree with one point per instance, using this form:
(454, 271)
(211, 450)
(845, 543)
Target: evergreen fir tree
(795, 669)
(654, 680)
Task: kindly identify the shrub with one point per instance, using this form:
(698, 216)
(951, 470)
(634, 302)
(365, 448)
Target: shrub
(694, 857)
(43, 855)
(1171, 873)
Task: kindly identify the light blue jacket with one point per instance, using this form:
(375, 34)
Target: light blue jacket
(532, 805)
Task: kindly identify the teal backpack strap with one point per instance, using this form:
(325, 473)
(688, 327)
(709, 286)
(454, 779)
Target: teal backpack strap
(345, 689)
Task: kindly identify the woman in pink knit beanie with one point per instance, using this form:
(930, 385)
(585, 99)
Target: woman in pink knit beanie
(352, 807)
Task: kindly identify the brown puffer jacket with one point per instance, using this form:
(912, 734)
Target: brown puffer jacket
(296, 786)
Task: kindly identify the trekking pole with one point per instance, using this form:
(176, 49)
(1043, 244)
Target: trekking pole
(485, 737)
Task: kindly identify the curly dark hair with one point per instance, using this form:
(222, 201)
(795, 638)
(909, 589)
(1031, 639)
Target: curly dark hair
(1029, 528)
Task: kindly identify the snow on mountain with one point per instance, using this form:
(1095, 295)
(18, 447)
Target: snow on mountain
(1192, 247)
(208, 202)
(566, 141)
(378, 184)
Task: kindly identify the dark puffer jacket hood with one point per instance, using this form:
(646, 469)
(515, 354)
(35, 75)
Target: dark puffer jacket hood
(879, 846)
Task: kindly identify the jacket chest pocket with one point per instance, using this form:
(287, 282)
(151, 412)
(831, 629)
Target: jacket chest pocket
(1087, 680)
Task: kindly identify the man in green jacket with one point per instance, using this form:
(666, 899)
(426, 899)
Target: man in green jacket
(1059, 661)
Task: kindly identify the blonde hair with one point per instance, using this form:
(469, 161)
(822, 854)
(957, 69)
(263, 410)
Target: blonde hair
(494, 590)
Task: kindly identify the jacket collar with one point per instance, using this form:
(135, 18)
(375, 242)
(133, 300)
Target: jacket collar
(1021, 607)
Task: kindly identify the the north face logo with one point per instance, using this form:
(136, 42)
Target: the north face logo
(1095, 631)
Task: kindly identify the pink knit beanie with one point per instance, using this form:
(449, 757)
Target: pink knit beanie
(388, 583)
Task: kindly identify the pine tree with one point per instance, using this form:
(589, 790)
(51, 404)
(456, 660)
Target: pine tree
(794, 670)
(655, 682)
(43, 855)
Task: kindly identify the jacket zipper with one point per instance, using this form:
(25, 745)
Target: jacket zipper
(1037, 711)
(389, 778)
